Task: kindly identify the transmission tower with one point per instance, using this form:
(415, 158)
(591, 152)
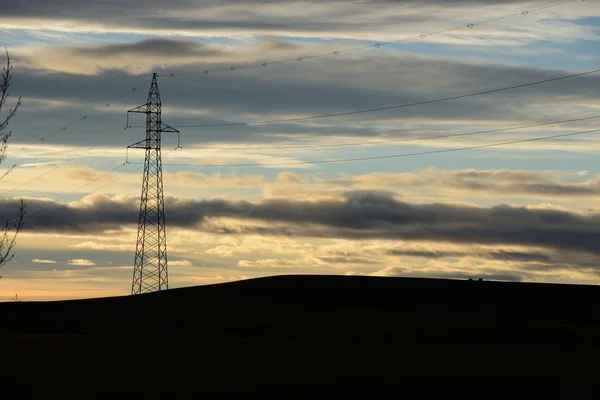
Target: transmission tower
(150, 272)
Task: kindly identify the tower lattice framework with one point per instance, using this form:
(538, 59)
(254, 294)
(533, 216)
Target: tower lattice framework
(150, 273)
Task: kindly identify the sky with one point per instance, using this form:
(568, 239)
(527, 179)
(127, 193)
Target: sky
(248, 200)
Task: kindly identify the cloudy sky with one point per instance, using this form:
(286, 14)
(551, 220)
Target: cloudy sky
(424, 197)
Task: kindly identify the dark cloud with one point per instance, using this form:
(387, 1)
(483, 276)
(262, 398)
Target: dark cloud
(90, 59)
(501, 255)
(157, 47)
(424, 254)
(513, 182)
(552, 267)
(358, 216)
(47, 215)
(554, 189)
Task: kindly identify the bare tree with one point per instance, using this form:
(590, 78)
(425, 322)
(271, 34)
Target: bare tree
(8, 234)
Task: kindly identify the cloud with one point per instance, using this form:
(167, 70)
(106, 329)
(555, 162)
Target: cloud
(425, 254)
(317, 87)
(567, 188)
(494, 222)
(145, 55)
(448, 183)
(519, 256)
(180, 263)
(25, 165)
(81, 262)
(357, 215)
(38, 261)
(358, 20)
(501, 255)
(349, 260)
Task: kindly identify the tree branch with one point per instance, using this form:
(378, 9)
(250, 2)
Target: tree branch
(5, 79)
(8, 234)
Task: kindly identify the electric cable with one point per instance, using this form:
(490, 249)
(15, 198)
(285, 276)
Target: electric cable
(378, 142)
(87, 184)
(392, 107)
(84, 117)
(305, 162)
(375, 45)
(267, 165)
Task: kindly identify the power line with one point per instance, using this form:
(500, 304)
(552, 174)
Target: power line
(304, 162)
(87, 184)
(107, 104)
(76, 190)
(331, 145)
(51, 170)
(363, 143)
(381, 157)
(313, 117)
(84, 117)
(375, 45)
(345, 114)
(264, 64)
(48, 171)
(397, 106)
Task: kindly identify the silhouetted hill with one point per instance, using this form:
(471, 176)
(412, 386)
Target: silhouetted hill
(309, 332)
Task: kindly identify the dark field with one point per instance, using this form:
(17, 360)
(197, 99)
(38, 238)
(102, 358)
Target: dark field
(303, 336)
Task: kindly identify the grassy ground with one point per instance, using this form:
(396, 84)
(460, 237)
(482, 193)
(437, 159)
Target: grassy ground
(298, 335)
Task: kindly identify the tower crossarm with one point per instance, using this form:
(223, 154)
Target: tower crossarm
(146, 144)
(168, 129)
(143, 109)
(164, 128)
(142, 144)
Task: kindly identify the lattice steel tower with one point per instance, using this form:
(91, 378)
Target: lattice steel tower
(150, 272)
